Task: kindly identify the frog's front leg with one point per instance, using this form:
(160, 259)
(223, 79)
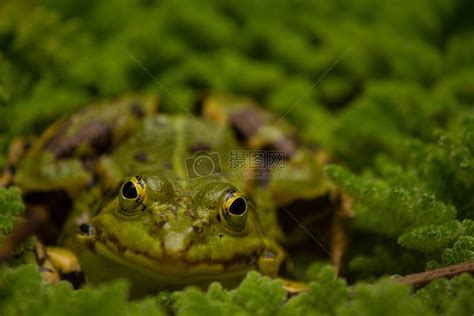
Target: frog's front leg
(57, 263)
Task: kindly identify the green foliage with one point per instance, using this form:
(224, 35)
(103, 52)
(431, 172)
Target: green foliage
(381, 257)
(422, 204)
(430, 238)
(389, 209)
(384, 298)
(256, 295)
(22, 292)
(11, 206)
(385, 89)
(325, 294)
(449, 298)
(66, 53)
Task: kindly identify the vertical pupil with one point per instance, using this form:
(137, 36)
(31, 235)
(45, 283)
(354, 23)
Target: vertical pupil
(129, 191)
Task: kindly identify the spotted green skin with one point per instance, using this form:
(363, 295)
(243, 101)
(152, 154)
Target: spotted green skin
(178, 236)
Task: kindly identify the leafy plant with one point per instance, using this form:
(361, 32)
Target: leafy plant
(386, 90)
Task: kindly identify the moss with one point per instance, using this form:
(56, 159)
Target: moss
(21, 292)
(12, 206)
(388, 91)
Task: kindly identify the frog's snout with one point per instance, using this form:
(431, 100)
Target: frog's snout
(86, 229)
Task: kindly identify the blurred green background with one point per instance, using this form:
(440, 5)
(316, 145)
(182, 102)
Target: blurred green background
(404, 69)
(386, 87)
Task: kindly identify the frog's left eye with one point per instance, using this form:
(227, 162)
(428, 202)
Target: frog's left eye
(234, 211)
(132, 196)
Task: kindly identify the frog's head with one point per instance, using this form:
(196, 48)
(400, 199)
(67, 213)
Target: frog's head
(159, 235)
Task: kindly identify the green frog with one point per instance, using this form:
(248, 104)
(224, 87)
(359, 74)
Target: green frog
(167, 201)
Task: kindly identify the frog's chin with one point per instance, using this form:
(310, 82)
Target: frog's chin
(101, 262)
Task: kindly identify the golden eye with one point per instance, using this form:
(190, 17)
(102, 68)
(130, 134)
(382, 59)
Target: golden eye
(132, 196)
(234, 211)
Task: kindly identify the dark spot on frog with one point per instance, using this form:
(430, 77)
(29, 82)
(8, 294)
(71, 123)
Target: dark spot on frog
(221, 235)
(263, 177)
(116, 242)
(194, 148)
(140, 156)
(89, 163)
(97, 134)
(267, 254)
(197, 229)
(284, 144)
(137, 110)
(160, 224)
(246, 123)
(167, 166)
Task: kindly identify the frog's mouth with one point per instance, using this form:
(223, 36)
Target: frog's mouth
(103, 260)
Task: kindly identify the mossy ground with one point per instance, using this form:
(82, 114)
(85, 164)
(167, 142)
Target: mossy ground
(387, 88)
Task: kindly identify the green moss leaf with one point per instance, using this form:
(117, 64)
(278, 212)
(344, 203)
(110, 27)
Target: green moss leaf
(259, 295)
(22, 292)
(326, 294)
(215, 302)
(11, 207)
(383, 298)
(431, 238)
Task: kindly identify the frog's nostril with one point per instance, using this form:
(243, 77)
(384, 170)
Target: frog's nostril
(85, 229)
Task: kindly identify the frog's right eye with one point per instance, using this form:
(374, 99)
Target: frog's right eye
(233, 212)
(129, 191)
(132, 196)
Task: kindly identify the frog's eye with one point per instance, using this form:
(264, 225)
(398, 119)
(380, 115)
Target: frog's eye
(233, 213)
(132, 196)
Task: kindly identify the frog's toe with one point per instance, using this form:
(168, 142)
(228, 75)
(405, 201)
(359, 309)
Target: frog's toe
(56, 263)
(270, 261)
(63, 259)
(294, 287)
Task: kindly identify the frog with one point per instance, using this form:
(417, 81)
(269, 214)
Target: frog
(166, 201)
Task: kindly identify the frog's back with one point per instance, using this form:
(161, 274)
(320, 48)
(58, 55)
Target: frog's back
(183, 146)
